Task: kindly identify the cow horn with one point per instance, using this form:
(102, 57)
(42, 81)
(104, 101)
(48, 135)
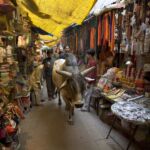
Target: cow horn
(64, 73)
(86, 71)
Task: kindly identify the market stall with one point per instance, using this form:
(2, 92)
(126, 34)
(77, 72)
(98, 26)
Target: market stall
(119, 33)
(15, 37)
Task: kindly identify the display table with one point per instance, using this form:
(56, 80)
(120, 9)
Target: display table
(136, 112)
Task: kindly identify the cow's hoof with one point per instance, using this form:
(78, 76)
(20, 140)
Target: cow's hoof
(70, 122)
(79, 104)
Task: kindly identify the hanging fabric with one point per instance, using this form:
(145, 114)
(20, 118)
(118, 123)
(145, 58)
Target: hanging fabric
(112, 35)
(92, 38)
(99, 31)
(54, 16)
(106, 28)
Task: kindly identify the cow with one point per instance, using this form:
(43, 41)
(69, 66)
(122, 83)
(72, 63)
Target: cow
(70, 82)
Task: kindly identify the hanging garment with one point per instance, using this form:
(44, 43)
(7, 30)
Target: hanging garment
(106, 28)
(99, 31)
(81, 44)
(112, 34)
(84, 37)
(87, 37)
(92, 38)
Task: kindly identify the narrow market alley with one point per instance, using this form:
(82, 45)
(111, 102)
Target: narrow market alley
(94, 55)
(46, 128)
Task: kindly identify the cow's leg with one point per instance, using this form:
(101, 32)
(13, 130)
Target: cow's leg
(71, 113)
(59, 99)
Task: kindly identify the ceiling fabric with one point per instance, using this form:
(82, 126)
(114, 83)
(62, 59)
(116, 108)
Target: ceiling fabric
(53, 16)
(47, 38)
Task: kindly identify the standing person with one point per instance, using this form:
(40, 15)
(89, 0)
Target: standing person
(67, 49)
(91, 63)
(62, 54)
(48, 67)
(92, 79)
(35, 81)
(56, 53)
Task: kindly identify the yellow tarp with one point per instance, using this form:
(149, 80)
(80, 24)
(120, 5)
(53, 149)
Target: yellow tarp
(48, 38)
(52, 43)
(54, 16)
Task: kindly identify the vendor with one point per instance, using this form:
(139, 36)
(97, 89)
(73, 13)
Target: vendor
(91, 63)
(92, 76)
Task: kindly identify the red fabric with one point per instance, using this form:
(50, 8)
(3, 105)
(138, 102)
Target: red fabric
(99, 32)
(106, 28)
(92, 38)
(93, 74)
(113, 33)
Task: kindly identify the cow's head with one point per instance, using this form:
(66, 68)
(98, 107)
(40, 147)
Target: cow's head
(75, 81)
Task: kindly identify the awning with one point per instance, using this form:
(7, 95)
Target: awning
(53, 16)
(104, 5)
(47, 38)
(40, 31)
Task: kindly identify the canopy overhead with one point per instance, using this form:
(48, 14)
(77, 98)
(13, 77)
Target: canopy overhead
(53, 16)
(47, 38)
(52, 43)
(40, 31)
(104, 5)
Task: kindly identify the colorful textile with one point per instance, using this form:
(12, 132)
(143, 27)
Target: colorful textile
(99, 30)
(92, 63)
(92, 38)
(54, 16)
(112, 40)
(106, 30)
